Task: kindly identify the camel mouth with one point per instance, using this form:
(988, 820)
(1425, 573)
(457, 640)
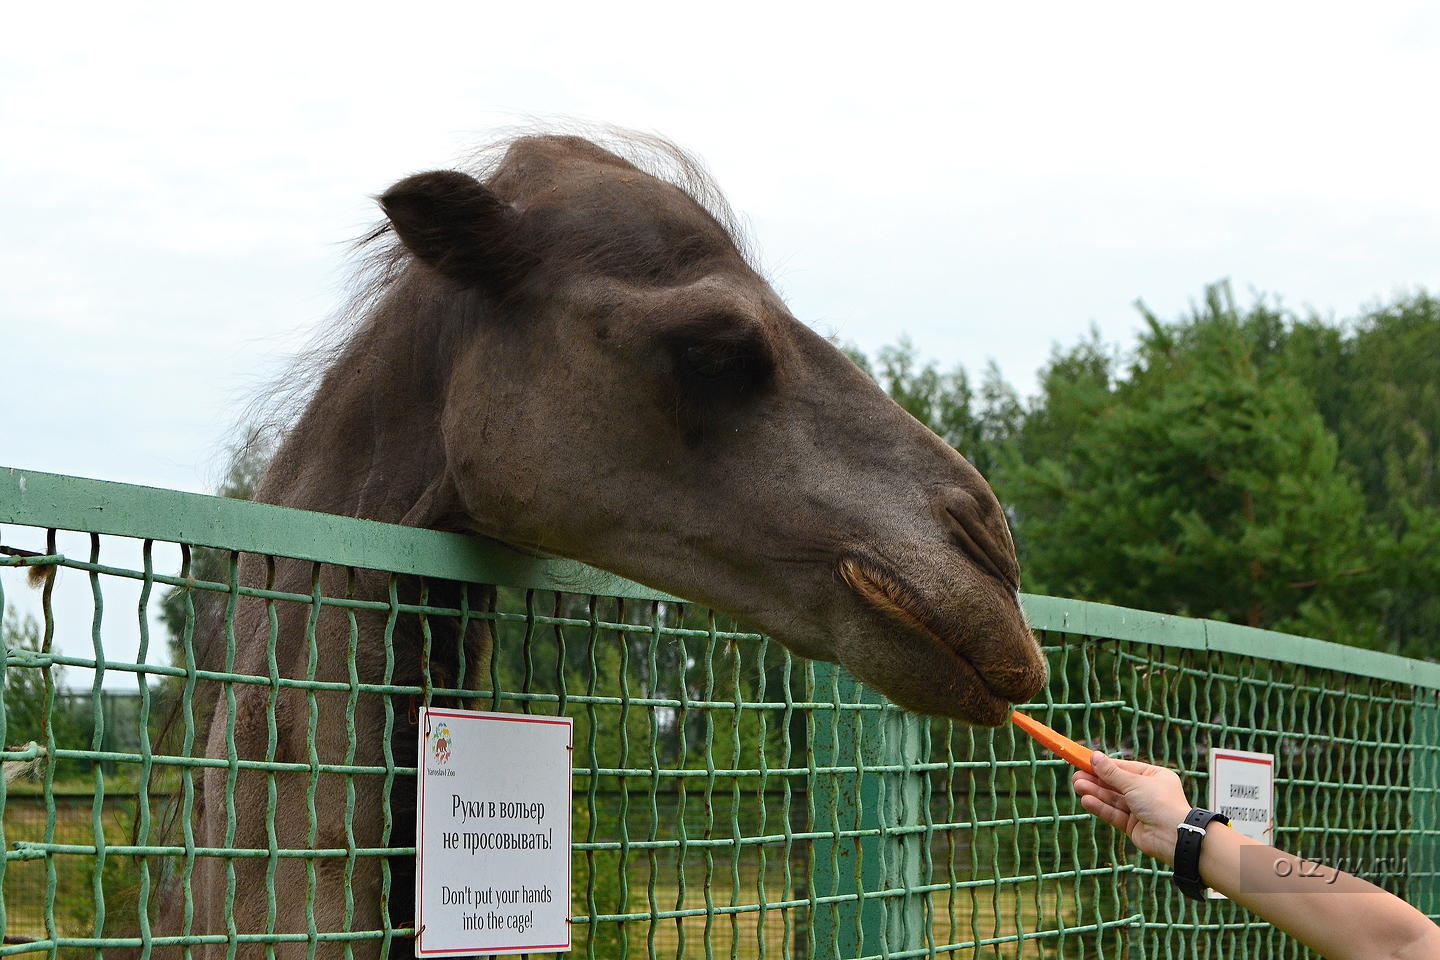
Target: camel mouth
(891, 596)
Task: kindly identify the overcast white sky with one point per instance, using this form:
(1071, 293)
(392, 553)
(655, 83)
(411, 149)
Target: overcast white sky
(177, 185)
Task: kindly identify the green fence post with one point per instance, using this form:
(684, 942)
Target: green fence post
(1423, 859)
(884, 807)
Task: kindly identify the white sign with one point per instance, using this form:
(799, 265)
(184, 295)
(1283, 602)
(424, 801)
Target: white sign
(1242, 787)
(492, 856)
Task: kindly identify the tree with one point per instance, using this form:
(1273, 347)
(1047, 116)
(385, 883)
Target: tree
(1198, 483)
(29, 692)
(976, 424)
(1379, 390)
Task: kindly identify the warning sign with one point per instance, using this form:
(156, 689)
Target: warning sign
(492, 870)
(1242, 787)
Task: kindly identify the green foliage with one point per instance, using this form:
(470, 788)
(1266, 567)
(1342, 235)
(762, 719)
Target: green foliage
(977, 423)
(1200, 485)
(1379, 391)
(1382, 398)
(1241, 464)
(29, 692)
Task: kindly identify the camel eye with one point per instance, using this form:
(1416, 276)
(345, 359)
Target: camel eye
(723, 364)
(718, 364)
(713, 360)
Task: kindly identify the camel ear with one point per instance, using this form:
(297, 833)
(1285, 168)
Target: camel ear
(453, 223)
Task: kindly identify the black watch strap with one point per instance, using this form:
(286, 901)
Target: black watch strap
(1187, 851)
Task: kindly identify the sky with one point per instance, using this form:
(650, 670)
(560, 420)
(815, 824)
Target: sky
(179, 183)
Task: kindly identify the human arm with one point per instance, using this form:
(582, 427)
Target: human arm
(1147, 803)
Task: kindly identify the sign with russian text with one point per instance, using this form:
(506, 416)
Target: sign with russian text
(492, 851)
(1242, 787)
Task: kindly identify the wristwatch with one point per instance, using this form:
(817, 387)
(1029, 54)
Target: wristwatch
(1191, 833)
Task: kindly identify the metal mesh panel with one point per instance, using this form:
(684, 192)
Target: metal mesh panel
(256, 797)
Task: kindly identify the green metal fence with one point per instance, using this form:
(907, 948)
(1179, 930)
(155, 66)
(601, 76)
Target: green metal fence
(730, 800)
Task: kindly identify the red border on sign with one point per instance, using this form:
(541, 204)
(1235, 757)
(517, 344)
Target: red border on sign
(1231, 756)
(420, 826)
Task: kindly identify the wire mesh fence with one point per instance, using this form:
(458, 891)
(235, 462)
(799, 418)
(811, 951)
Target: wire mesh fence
(252, 793)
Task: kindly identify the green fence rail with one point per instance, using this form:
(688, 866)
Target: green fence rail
(253, 797)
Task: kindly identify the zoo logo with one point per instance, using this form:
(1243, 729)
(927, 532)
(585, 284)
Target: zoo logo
(444, 739)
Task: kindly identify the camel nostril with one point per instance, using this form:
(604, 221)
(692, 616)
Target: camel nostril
(973, 535)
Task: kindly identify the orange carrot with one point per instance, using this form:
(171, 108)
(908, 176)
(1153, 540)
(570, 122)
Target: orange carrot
(1075, 754)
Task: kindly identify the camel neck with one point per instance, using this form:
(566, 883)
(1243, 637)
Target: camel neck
(368, 444)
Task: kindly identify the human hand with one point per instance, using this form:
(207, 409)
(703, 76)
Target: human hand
(1143, 801)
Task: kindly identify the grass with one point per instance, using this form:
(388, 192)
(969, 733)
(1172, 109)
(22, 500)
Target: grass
(27, 882)
(963, 915)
